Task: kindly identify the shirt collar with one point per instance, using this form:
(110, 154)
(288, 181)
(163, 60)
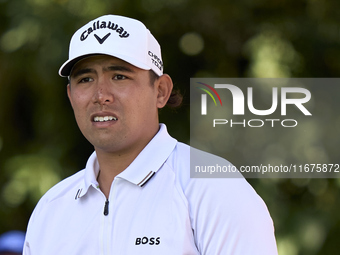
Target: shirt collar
(90, 176)
(150, 159)
(145, 165)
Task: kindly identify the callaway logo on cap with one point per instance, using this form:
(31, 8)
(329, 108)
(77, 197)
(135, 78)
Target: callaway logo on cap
(125, 38)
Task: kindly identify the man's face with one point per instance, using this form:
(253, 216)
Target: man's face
(115, 106)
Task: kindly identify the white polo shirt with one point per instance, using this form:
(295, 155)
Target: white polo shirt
(154, 207)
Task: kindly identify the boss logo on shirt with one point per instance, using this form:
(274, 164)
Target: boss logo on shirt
(148, 240)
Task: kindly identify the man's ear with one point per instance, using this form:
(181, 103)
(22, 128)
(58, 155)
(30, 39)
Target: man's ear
(164, 87)
(69, 93)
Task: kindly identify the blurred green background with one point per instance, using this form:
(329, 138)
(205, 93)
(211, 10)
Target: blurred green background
(40, 143)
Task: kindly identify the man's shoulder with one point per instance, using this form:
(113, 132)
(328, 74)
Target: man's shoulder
(221, 207)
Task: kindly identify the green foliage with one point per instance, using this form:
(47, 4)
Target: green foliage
(39, 139)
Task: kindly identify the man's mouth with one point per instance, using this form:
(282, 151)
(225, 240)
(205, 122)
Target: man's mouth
(104, 118)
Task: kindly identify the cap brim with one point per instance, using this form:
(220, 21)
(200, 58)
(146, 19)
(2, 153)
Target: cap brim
(66, 69)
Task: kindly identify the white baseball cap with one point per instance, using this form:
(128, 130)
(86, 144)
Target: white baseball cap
(121, 37)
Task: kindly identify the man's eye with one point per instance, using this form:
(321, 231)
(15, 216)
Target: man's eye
(87, 79)
(119, 77)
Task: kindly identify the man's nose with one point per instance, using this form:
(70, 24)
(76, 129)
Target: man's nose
(103, 93)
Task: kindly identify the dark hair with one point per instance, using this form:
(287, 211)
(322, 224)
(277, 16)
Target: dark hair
(175, 99)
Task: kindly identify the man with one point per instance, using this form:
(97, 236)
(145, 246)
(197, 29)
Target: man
(135, 195)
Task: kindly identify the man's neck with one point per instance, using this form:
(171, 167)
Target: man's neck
(113, 163)
(110, 166)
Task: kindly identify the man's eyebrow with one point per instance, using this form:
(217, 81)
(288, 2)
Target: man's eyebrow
(82, 71)
(118, 68)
